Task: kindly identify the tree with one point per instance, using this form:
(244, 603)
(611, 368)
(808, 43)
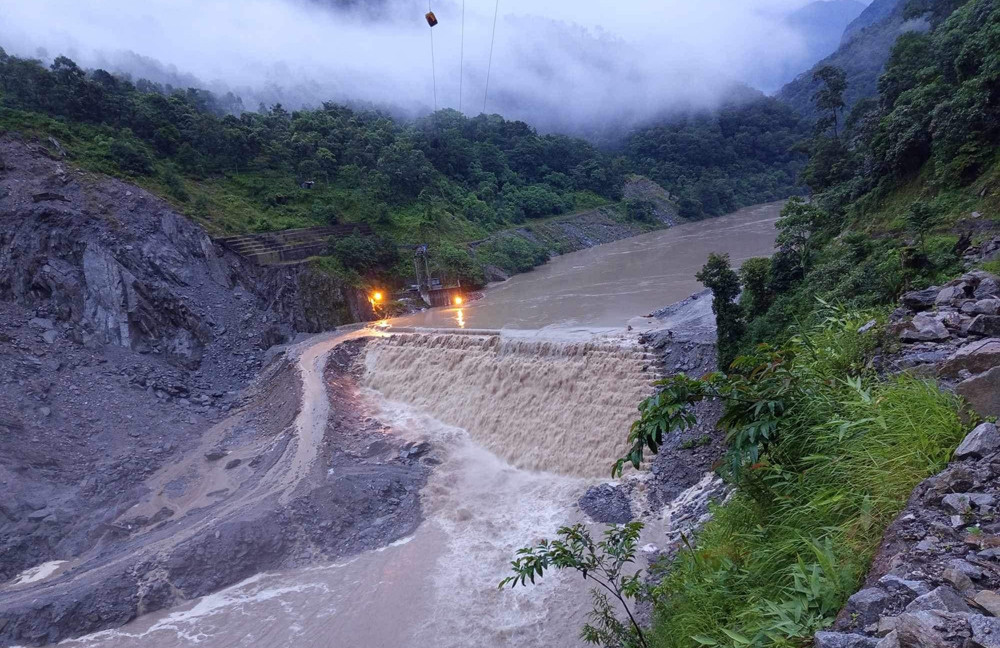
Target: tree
(718, 276)
(919, 221)
(829, 98)
(755, 275)
(603, 563)
(640, 210)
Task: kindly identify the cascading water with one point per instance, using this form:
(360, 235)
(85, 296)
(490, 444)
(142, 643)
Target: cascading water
(562, 407)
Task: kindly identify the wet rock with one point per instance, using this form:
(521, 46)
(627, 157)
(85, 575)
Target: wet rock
(975, 357)
(988, 287)
(985, 631)
(982, 441)
(865, 606)
(925, 328)
(957, 579)
(843, 640)
(982, 392)
(928, 628)
(985, 325)
(921, 299)
(215, 455)
(989, 601)
(896, 585)
(607, 504)
(940, 598)
(963, 502)
(232, 463)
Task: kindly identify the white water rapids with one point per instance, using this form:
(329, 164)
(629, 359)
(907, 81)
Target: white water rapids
(524, 424)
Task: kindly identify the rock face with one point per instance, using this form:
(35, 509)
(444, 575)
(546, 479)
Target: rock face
(955, 334)
(114, 265)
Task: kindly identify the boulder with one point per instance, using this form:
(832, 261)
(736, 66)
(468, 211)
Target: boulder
(50, 336)
(963, 502)
(865, 606)
(925, 328)
(989, 306)
(985, 325)
(957, 579)
(940, 598)
(982, 392)
(975, 357)
(921, 299)
(983, 440)
(985, 631)
(910, 588)
(928, 628)
(988, 287)
(989, 601)
(41, 323)
(843, 640)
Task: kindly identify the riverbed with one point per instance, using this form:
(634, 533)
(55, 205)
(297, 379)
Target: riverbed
(489, 493)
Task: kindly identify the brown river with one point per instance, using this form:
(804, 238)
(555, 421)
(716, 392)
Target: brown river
(506, 415)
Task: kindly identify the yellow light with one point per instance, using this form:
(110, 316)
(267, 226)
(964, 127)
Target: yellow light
(458, 300)
(377, 296)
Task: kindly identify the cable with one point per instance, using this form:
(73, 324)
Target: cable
(489, 66)
(461, 60)
(433, 71)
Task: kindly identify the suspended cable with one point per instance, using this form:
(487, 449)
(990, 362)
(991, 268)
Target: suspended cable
(431, 20)
(461, 60)
(489, 66)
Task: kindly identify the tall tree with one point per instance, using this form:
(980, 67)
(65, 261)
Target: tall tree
(829, 98)
(719, 276)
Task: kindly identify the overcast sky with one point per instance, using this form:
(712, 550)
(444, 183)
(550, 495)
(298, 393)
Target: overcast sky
(555, 61)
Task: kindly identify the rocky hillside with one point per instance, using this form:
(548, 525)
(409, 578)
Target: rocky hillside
(125, 333)
(935, 580)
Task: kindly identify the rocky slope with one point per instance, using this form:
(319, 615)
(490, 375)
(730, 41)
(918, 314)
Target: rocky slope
(128, 342)
(935, 581)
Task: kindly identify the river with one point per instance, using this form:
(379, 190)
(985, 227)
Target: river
(504, 415)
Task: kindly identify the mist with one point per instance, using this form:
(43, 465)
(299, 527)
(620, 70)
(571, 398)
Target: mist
(560, 65)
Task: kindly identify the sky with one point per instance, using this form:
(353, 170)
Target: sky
(555, 63)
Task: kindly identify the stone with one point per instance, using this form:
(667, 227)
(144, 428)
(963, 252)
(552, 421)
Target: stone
(975, 357)
(843, 640)
(957, 579)
(886, 625)
(951, 293)
(983, 440)
(985, 325)
(967, 568)
(988, 287)
(215, 455)
(987, 306)
(925, 629)
(963, 502)
(50, 336)
(232, 463)
(41, 323)
(891, 640)
(924, 328)
(985, 631)
(989, 601)
(896, 585)
(865, 606)
(982, 392)
(607, 504)
(940, 598)
(921, 299)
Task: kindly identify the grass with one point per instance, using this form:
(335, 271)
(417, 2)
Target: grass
(779, 559)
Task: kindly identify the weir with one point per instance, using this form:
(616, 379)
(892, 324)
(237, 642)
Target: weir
(551, 405)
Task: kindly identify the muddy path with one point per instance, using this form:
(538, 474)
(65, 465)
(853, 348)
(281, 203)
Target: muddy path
(278, 483)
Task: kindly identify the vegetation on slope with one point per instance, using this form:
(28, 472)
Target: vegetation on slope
(445, 179)
(822, 451)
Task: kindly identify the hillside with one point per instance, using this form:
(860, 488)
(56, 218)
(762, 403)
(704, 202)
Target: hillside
(822, 23)
(862, 54)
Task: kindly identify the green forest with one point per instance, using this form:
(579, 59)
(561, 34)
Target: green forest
(444, 179)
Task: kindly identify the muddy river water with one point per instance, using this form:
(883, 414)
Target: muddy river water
(492, 492)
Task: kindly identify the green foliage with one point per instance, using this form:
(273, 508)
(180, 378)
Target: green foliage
(823, 454)
(640, 210)
(719, 277)
(602, 562)
(830, 98)
(512, 253)
(758, 294)
(365, 255)
(715, 162)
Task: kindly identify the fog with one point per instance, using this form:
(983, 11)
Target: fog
(560, 64)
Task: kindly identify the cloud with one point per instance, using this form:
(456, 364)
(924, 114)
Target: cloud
(558, 63)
